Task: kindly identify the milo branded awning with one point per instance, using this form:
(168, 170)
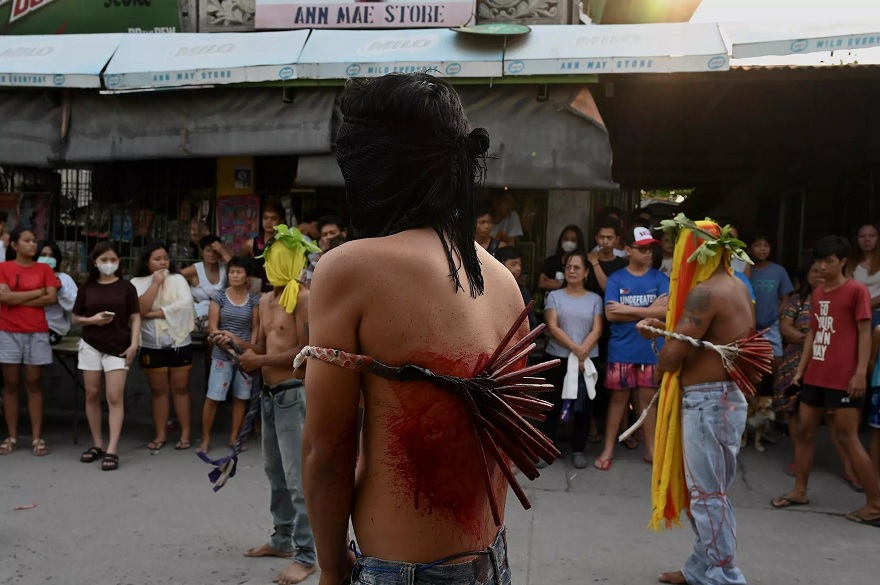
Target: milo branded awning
(758, 39)
(617, 48)
(339, 54)
(55, 60)
(187, 60)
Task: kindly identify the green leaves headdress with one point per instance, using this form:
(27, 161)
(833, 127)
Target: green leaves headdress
(711, 244)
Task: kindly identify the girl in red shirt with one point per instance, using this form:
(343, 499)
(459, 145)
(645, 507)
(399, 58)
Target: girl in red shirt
(26, 286)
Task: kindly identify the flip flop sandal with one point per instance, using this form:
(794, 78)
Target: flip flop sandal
(603, 464)
(8, 446)
(859, 519)
(182, 445)
(91, 455)
(631, 444)
(155, 445)
(787, 502)
(110, 462)
(853, 484)
(39, 448)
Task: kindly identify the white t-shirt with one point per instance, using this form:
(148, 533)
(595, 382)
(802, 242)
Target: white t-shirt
(58, 315)
(871, 281)
(738, 265)
(666, 266)
(510, 225)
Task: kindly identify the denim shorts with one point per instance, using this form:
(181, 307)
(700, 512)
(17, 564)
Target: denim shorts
(489, 568)
(224, 374)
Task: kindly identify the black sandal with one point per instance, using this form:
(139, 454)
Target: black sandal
(110, 462)
(91, 455)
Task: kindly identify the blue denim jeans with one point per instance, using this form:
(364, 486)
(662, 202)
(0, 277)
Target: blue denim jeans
(283, 415)
(489, 568)
(713, 420)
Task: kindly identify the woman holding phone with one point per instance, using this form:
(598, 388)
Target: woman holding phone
(107, 308)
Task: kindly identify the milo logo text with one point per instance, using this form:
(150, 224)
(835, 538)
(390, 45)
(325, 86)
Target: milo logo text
(205, 50)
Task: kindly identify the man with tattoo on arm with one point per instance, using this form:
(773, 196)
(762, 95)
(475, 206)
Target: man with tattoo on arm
(718, 310)
(283, 331)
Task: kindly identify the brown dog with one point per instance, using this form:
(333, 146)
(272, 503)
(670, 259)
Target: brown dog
(760, 416)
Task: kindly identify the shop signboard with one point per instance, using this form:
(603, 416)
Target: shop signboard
(55, 60)
(611, 48)
(361, 14)
(47, 17)
(368, 53)
(192, 59)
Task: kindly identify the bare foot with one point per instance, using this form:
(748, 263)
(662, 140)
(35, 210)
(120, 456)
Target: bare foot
(203, 447)
(295, 573)
(673, 577)
(267, 551)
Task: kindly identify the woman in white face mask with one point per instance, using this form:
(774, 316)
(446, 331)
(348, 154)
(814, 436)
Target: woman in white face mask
(107, 308)
(58, 315)
(571, 241)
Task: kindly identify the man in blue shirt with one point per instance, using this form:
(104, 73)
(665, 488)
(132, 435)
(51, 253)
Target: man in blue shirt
(772, 288)
(634, 293)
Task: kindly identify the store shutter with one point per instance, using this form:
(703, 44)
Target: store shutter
(30, 127)
(548, 144)
(199, 123)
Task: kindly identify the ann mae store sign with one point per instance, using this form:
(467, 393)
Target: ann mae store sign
(289, 14)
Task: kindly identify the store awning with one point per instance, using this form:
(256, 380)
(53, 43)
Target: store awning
(218, 122)
(617, 48)
(30, 127)
(759, 39)
(192, 59)
(338, 54)
(551, 144)
(55, 60)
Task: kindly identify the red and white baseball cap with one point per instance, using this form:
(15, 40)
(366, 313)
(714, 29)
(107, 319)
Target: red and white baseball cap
(641, 236)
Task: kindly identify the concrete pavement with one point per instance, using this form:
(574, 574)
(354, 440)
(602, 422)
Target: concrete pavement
(156, 520)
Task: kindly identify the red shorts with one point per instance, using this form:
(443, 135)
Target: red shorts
(629, 376)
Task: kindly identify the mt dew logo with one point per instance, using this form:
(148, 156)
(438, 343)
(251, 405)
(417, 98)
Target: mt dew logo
(22, 8)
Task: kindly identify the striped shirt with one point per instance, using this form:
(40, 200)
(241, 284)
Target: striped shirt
(234, 318)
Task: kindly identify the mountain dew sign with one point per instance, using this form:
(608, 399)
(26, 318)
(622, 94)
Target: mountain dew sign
(43, 17)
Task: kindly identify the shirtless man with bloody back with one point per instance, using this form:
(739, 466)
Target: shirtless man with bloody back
(411, 288)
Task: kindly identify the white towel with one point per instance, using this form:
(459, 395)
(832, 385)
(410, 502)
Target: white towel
(175, 299)
(570, 384)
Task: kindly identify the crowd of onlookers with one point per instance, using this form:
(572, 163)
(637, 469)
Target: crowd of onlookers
(150, 315)
(594, 293)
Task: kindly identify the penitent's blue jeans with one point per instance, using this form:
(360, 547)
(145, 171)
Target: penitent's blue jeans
(713, 420)
(283, 413)
(489, 568)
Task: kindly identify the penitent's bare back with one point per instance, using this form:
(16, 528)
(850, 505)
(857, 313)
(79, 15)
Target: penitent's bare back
(419, 491)
(723, 300)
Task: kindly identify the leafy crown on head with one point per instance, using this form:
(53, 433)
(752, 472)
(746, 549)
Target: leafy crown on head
(711, 244)
(290, 237)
